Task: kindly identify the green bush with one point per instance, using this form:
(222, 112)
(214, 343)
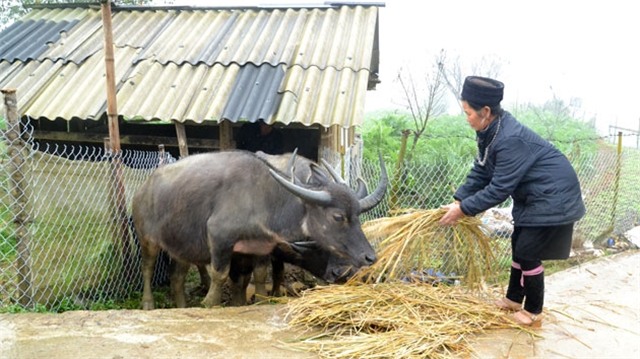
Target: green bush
(450, 138)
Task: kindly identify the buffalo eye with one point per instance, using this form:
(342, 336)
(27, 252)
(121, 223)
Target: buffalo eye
(338, 217)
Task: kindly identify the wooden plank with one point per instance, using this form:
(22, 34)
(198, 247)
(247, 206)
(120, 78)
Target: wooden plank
(144, 140)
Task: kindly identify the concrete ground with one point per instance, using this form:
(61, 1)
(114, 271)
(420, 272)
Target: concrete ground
(593, 311)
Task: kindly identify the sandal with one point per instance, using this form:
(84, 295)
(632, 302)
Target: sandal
(526, 319)
(508, 305)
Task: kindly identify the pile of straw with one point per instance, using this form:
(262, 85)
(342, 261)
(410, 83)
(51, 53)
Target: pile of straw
(391, 320)
(384, 312)
(414, 241)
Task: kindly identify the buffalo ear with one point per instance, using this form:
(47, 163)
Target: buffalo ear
(318, 177)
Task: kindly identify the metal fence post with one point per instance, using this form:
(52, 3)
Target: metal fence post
(16, 167)
(616, 184)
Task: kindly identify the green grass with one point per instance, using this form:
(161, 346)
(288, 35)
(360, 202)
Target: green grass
(73, 253)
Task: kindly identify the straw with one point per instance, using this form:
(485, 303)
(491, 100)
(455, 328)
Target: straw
(414, 241)
(391, 320)
(402, 306)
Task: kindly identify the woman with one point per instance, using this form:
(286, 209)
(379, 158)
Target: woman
(514, 161)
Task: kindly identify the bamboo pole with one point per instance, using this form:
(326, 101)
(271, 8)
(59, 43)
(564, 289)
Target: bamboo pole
(118, 191)
(15, 167)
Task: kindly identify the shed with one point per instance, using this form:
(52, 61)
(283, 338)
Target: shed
(197, 71)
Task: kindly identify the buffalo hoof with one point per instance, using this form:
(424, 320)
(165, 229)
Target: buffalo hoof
(209, 303)
(236, 303)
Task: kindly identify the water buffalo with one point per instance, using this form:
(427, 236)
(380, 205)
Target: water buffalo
(205, 208)
(306, 255)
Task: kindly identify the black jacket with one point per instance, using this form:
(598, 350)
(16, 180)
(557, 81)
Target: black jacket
(521, 164)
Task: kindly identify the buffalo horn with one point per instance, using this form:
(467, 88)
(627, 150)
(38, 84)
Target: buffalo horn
(374, 198)
(291, 163)
(362, 190)
(317, 197)
(336, 177)
(303, 246)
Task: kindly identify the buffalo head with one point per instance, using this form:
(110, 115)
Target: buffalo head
(331, 222)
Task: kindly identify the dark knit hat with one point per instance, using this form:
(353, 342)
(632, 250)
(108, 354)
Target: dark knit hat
(482, 91)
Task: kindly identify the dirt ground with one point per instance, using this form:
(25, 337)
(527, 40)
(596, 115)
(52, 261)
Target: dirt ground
(592, 311)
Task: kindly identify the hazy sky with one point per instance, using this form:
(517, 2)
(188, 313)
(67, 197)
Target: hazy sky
(567, 49)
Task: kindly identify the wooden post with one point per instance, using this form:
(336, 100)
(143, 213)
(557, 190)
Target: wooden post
(226, 135)
(15, 168)
(119, 198)
(181, 134)
(109, 60)
(161, 155)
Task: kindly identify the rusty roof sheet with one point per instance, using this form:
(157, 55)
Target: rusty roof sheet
(305, 65)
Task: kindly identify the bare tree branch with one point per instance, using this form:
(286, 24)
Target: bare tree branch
(424, 100)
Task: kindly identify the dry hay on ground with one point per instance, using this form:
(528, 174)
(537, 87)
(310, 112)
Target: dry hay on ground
(386, 313)
(391, 320)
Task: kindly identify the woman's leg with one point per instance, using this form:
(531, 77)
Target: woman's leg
(533, 283)
(515, 290)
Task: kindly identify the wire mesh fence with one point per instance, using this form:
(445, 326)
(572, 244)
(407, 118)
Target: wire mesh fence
(63, 245)
(60, 244)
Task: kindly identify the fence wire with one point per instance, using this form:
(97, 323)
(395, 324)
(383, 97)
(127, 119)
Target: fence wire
(59, 237)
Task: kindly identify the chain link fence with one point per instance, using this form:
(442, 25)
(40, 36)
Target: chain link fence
(65, 243)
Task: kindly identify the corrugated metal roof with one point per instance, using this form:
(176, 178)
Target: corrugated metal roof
(306, 65)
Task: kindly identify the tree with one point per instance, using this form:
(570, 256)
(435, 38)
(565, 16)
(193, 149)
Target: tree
(428, 98)
(425, 100)
(10, 10)
(554, 120)
(455, 71)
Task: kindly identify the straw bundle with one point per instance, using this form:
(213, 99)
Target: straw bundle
(414, 241)
(391, 320)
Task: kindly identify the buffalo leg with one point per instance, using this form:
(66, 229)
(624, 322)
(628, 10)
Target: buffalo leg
(239, 290)
(205, 281)
(260, 276)
(277, 274)
(178, 276)
(218, 278)
(149, 252)
(240, 274)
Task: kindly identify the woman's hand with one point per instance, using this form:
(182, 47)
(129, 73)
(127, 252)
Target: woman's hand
(454, 213)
